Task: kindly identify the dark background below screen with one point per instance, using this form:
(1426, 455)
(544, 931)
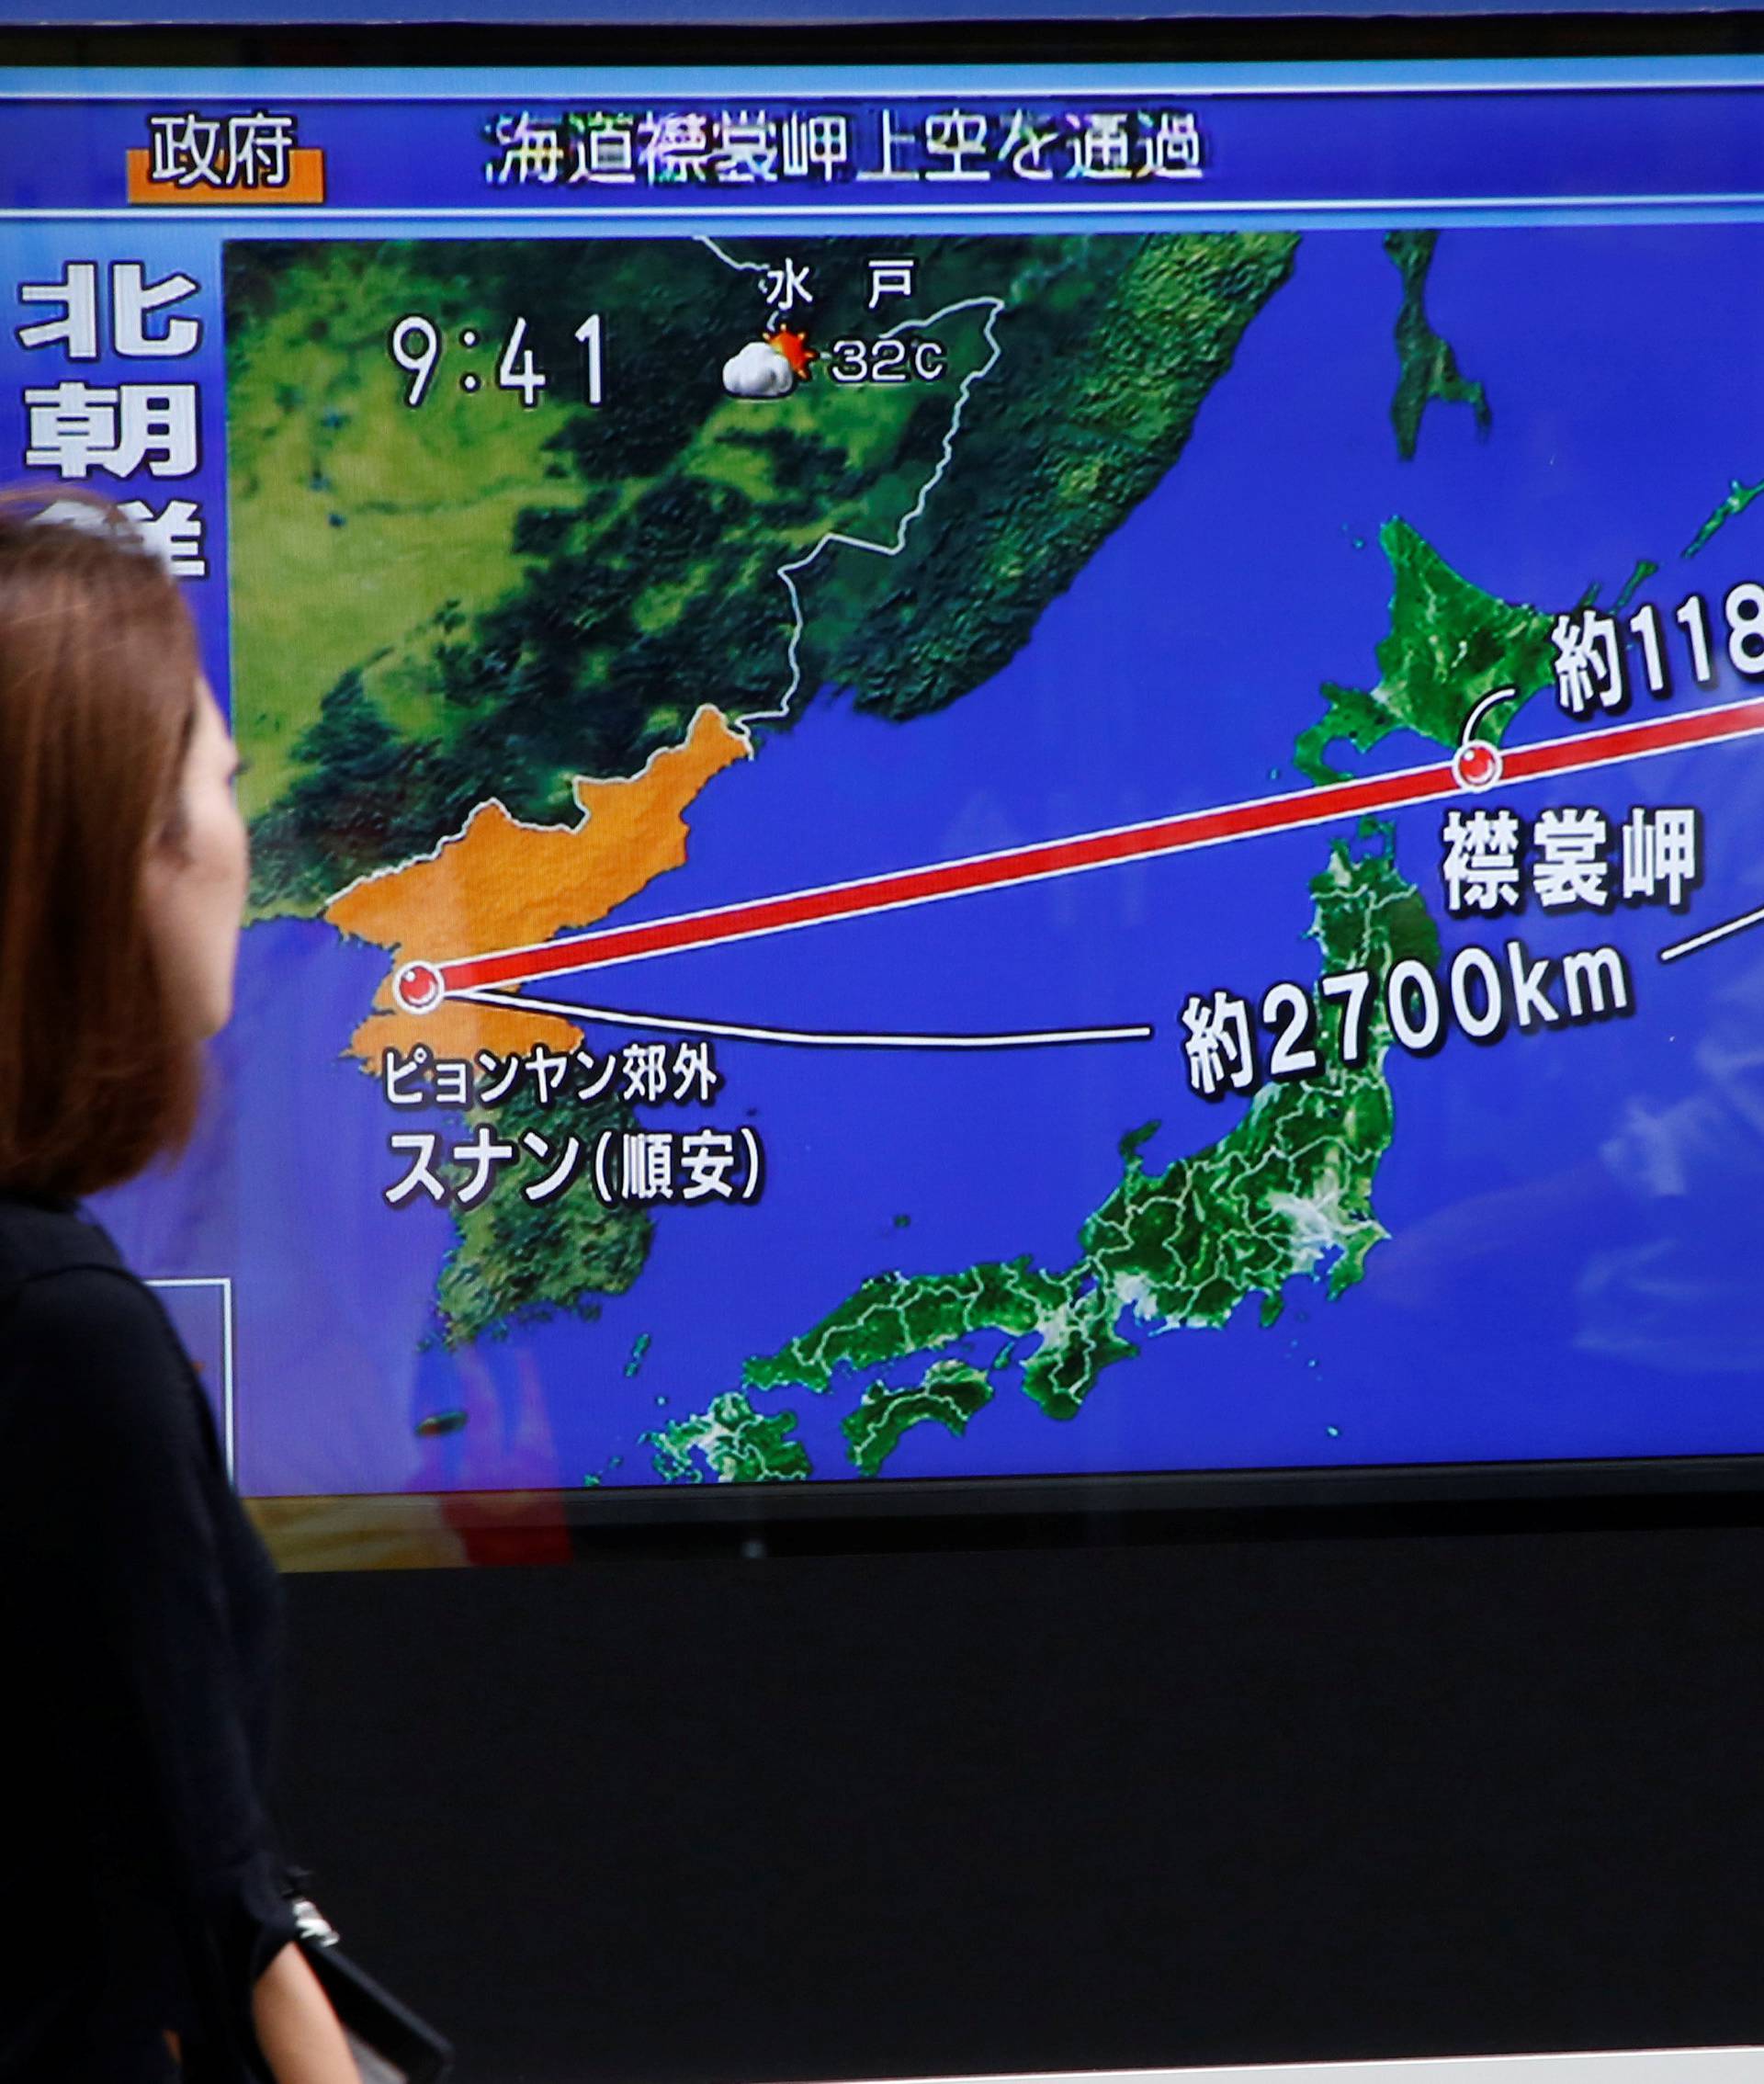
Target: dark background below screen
(1331, 1796)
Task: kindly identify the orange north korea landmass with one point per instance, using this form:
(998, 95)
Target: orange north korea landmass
(500, 884)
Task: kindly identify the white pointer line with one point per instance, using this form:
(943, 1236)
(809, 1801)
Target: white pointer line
(994, 308)
(809, 1037)
(1714, 934)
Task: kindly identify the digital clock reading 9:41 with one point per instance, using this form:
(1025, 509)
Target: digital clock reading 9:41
(416, 345)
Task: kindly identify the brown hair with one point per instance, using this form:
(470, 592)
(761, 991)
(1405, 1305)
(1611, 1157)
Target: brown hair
(98, 667)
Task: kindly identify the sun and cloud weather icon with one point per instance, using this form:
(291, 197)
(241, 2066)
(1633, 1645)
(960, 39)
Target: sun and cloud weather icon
(770, 367)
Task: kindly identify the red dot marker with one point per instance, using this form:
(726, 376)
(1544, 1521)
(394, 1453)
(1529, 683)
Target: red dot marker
(1476, 764)
(418, 987)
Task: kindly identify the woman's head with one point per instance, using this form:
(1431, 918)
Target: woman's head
(122, 858)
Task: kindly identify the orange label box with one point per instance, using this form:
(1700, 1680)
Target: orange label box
(305, 183)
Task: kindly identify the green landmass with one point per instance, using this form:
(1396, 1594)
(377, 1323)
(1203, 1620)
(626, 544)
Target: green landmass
(951, 1393)
(1739, 497)
(437, 603)
(1286, 1192)
(1428, 366)
(734, 1442)
(1109, 348)
(1644, 568)
(639, 1352)
(362, 528)
(1449, 644)
(518, 1258)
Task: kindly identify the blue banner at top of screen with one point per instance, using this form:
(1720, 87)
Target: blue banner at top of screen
(1685, 134)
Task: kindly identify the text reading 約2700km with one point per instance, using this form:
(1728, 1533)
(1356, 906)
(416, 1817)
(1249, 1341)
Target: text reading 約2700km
(1232, 1045)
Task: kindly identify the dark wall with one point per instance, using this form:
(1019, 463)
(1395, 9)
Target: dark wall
(1221, 1800)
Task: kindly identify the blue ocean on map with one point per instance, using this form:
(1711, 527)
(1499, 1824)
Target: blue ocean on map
(1571, 1266)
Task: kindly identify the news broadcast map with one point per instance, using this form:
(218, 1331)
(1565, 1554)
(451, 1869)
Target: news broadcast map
(947, 856)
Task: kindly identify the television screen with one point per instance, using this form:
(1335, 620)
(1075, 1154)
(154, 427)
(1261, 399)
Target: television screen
(956, 774)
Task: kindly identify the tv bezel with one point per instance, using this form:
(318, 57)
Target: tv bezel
(759, 1519)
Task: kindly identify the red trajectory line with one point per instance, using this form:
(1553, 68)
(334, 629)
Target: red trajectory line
(421, 985)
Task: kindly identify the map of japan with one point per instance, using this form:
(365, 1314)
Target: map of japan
(865, 872)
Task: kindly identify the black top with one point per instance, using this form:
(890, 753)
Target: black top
(140, 1638)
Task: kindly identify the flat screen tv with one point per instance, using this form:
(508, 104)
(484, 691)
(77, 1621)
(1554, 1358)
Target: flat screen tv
(979, 781)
